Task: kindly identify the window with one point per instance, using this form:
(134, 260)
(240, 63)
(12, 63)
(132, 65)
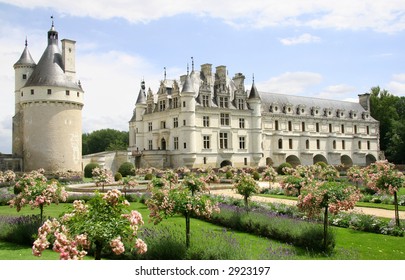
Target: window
(241, 104)
(303, 126)
(175, 102)
(224, 119)
(223, 140)
(78, 94)
(49, 91)
(342, 128)
(280, 143)
(343, 145)
(162, 124)
(359, 145)
(184, 122)
(276, 124)
(241, 123)
(67, 92)
(330, 128)
(242, 142)
(355, 129)
(22, 94)
(24, 76)
(150, 146)
(150, 126)
(289, 126)
(368, 129)
(223, 102)
(185, 145)
(32, 92)
(334, 144)
(205, 160)
(176, 143)
(206, 121)
(206, 142)
(162, 105)
(318, 144)
(307, 144)
(176, 122)
(184, 103)
(368, 145)
(245, 161)
(317, 127)
(150, 108)
(290, 143)
(205, 101)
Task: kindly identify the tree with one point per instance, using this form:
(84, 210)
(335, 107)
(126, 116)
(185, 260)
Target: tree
(187, 199)
(328, 196)
(269, 174)
(382, 177)
(102, 176)
(33, 189)
(246, 186)
(105, 221)
(104, 140)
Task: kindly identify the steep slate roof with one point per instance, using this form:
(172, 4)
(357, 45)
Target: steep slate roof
(188, 86)
(26, 58)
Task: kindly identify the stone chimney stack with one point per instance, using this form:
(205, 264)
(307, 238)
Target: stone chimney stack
(69, 60)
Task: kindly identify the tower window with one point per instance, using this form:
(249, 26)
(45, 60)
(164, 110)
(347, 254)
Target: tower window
(205, 101)
(24, 76)
(317, 127)
(22, 94)
(303, 126)
(276, 124)
(32, 92)
(49, 91)
(307, 144)
(78, 94)
(245, 161)
(67, 92)
(318, 144)
(289, 126)
(280, 143)
(330, 128)
(343, 145)
(290, 143)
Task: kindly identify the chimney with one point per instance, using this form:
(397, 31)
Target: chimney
(364, 100)
(68, 56)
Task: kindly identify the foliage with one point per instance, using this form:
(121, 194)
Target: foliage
(127, 169)
(7, 176)
(280, 168)
(246, 186)
(101, 177)
(148, 176)
(117, 176)
(104, 221)
(19, 230)
(88, 169)
(269, 174)
(187, 199)
(34, 190)
(128, 183)
(104, 140)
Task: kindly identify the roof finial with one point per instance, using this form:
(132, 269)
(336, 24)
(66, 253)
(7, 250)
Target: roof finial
(192, 64)
(165, 73)
(52, 21)
(253, 78)
(26, 41)
(187, 69)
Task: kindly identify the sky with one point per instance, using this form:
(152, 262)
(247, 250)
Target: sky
(316, 48)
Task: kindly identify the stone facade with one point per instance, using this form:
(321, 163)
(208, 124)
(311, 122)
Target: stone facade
(47, 125)
(209, 119)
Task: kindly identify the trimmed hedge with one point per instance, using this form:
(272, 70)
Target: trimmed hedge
(127, 169)
(89, 168)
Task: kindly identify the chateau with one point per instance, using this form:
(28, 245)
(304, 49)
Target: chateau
(47, 125)
(207, 119)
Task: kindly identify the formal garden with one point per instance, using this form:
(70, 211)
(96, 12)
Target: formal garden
(151, 214)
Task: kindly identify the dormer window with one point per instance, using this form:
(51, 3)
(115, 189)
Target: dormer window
(223, 102)
(205, 101)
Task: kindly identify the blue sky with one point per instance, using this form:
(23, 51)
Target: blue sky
(319, 48)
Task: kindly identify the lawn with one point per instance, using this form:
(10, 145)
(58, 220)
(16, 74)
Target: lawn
(350, 244)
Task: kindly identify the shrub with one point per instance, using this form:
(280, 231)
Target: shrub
(322, 164)
(148, 176)
(256, 175)
(117, 176)
(21, 230)
(229, 174)
(280, 168)
(127, 169)
(88, 169)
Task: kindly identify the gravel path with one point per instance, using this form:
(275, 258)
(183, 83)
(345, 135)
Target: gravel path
(364, 210)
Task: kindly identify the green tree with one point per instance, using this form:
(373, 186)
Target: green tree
(104, 140)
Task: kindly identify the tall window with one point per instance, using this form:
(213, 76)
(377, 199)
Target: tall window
(223, 102)
(150, 146)
(149, 126)
(223, 140)
(307, 144)
(355, 129)
(224, 119)
(162, 124)
(150, 108)
(289, 126)
(206, 142)
(176, 122)
(175, 102)
(343, 144)
(359, 145)
(242, 142)
(368, 145)
(290, 143)
(241, 123)
(49, 91)
(241, 104)
(162, 105)
(67, 92)
(368, 130)
(330, 128)
(318, 144)
(206, 121)
(276, 125)
(317, 127)
(280, 143)
(303, 126)
(176, 143)
(334, 144)
(342, 128)
(205, 101)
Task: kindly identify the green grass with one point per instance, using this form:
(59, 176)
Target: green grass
(350, 244)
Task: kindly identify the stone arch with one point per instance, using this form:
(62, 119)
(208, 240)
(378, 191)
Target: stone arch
(293, 160)
(346, 161)
(226, 163)
(320, 158)
(269, 161)
(163, 144)
(370, 159)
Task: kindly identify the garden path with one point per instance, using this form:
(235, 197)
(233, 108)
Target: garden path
(364, 210)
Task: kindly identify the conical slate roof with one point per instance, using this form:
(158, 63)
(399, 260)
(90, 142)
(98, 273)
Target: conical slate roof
(254, 93)
(188, 85)
(141, 96)
(25, 59)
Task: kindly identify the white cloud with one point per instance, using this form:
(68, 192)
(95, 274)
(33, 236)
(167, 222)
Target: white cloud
(338, 92)
(378, 15)
(397, 85)
(302, 39)
(291, 83)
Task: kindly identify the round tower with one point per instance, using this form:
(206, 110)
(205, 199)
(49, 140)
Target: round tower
(51, 107)
(254, 102)
(187, 114)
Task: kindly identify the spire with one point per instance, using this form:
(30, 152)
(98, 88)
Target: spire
(52, 34)
(192, 64)
(141, 96)
(188, 85)
(164, 74)
(25, 58)
(254, 93)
